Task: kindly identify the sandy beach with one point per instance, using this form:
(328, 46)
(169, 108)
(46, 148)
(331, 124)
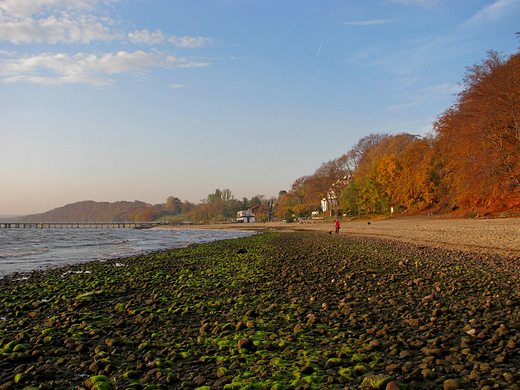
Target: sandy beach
(489, 235)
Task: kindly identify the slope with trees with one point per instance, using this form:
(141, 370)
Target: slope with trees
(470, 160)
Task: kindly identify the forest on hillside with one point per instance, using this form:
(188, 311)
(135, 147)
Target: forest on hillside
(470, 160)
(90, 211)
(217, 206)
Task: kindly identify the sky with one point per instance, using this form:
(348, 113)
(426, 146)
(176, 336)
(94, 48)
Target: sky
(111, 100)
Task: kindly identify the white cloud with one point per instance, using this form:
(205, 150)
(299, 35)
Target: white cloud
(26, 8)
(73, 21)
(79, 21)
(144, 36)
(86, 68)
(191, 42)
(177, 86)
(368, 22)
(7, 53)
(194, 64)
(54, 29)
(77, 79)
(53, 21)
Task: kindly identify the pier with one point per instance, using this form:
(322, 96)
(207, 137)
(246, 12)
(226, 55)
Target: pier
(41, 225)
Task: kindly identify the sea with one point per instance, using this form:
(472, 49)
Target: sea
(24, 250)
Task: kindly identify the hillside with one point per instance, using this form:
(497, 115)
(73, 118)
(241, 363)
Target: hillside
(90, 211)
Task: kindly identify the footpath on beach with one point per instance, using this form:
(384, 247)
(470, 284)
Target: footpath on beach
(292, 310)
(482, 235)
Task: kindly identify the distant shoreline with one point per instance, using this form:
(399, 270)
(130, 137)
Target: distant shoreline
(499, 236)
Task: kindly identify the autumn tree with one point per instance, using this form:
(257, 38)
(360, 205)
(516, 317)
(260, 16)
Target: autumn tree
(418, 181)
(283, 209)
(390, 171)
(187, 207)
(299, 189)
(471, 158)
(478, 138)
(202, 212)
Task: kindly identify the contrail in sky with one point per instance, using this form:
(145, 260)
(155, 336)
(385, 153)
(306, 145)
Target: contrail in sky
(319, 49)
(325, 33)
(318, 75)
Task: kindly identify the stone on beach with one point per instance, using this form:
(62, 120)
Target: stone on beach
(296, 309)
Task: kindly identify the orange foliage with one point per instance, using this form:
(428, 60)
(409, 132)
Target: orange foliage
(479, 138)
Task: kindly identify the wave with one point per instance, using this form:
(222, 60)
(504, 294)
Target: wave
(60, 247)
(25, 253)
(87, 244)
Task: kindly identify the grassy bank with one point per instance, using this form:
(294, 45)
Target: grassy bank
(273, 311)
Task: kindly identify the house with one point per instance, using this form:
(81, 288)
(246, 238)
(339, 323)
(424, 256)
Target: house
(246, 216)
(330, 202)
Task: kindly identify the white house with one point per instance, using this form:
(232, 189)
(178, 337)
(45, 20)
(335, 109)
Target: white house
(246, 216)
(330, 202)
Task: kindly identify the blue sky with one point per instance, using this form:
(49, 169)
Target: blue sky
(111, 100)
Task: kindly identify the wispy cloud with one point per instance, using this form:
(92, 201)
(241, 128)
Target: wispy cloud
(7, 53)
(431, 4)
(429, 93)
(145, 37)
(368, 22)
(499, 10)
(194, 64)
(87, 68)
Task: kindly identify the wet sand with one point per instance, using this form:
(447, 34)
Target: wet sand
(499, 236)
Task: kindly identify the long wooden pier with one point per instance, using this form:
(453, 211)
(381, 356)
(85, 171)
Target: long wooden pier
(41, 225)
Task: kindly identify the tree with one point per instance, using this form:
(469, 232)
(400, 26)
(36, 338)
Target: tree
(418, 182)
(173, 205)
(187, 207)
(478, 138)
(256, 200)
(283, 209)
(149, 214)
(299, 189)
(349, 199)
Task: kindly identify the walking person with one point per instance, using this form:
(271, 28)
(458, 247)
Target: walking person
(337, 226)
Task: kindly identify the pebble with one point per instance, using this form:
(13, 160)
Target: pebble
(438, 318)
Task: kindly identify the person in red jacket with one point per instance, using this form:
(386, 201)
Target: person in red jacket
(337, 226)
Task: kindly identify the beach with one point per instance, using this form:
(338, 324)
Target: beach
(487, 235)
(293, 308)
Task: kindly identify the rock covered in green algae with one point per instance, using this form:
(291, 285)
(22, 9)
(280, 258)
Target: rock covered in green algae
(375, 381)
(318, 311)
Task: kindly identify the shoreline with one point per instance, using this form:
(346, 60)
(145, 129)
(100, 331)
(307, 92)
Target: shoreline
(494, 236)
(270, 311)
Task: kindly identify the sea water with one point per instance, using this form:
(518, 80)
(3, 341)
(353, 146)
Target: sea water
(27, 249)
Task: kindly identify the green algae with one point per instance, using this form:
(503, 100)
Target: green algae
(168, 296)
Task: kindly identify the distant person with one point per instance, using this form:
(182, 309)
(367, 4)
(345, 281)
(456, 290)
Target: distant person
(337, 226)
